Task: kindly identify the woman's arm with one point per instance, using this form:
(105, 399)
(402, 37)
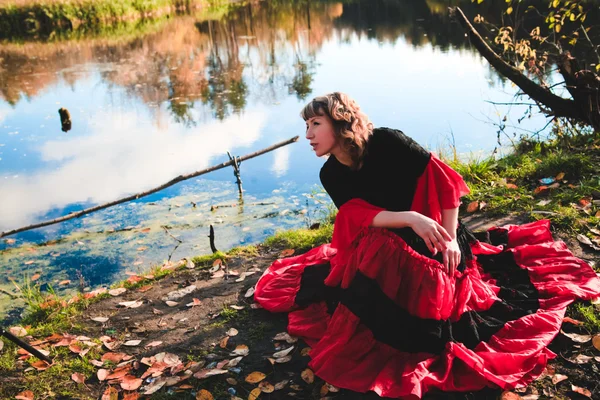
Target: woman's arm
(451, 254)
(450, 221)
(435, 235)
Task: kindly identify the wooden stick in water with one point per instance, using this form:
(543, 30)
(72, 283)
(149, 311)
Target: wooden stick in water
(136, 196)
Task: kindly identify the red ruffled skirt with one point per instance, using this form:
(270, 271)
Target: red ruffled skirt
(381, 317)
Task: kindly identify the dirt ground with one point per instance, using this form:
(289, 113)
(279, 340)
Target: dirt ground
(195, 330)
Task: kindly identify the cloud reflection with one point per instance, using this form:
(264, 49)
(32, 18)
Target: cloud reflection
(119, 157)
(281, 161)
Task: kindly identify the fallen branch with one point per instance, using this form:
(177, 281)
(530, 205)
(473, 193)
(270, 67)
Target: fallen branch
(178, 179)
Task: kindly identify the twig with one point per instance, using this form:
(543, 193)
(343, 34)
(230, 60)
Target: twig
(178, 179)
(510, 104)
(211, 237)
(590, 42)
(169, 233)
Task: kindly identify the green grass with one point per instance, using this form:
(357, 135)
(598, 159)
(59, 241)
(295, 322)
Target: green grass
(588, 314)
(301, 239)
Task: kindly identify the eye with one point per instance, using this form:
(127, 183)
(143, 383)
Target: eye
(316, 123)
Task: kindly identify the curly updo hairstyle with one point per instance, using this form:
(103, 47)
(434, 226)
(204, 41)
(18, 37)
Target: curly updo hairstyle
(352, 127)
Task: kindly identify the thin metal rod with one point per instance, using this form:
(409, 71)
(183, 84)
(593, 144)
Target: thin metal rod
(24, 345)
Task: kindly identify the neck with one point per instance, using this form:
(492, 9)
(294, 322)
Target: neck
(342, 157)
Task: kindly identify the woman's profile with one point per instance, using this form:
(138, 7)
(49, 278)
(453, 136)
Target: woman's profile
(405, 299)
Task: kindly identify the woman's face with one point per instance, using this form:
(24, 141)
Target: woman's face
(320, 133)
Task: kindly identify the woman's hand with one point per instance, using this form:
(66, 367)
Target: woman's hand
(451, 256)
(435, 236)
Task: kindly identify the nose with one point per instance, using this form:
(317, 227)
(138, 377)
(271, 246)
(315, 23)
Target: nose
(309, 133)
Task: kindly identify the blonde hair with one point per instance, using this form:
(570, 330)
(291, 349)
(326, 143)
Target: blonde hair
(352, 127)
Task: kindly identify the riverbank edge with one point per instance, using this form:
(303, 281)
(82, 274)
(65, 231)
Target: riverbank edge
(41, 17)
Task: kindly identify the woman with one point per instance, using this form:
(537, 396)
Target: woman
(404, 299)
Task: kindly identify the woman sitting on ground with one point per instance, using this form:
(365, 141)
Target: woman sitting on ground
(405, 299)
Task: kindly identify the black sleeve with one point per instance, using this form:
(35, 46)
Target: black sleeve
(408, 156)
(335, 188)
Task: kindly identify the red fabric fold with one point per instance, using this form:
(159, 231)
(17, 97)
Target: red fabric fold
(438, 188)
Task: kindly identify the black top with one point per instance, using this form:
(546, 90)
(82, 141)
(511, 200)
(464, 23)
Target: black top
(388, 177)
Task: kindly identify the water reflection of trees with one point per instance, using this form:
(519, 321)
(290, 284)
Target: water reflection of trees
(266, 50)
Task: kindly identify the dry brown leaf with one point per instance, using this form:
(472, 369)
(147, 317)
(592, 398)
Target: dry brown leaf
(155, 386)
(145, 288)
(266, 387)
(75, 349)
(281, 385)
(305, 351)
(132, 343)
(572, 321)
(78, 377)
(249, 292)
(18, 331)
(324, 390)
(223, 342)
(35, 277)
(100, 319)
(283, 353)
(204, 394)
(131, 304)
(560, 176)
(596, 341)
(218, 274)
(153, 344)
(581, 359)
(113, 357)
(473, 206)
(130, 382)
(195, 302)
(117, 291)
(255, 377)
(581, 391)
(234, 361)
(287, 253)
(308, 376)
(131, 396)
(26, 395)
(171, 303)
(506, 395)
(285, 336)
(110, 394)
(254, 394)
(241, 350)
(238, 308)
(102, 374)
(559, 378)
(576, 337)
(231, 381)
(232, 332)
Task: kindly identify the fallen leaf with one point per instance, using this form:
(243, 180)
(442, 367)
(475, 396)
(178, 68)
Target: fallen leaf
(287, 253)
(18, 331)
(130, 382)
(40, 365)
(223, 342)
(308, 376)
(576, 337)
(153, 344)
(102, 374)
(232, 332)
(99, 319)
(195, 302)
(131, 396)
(580, 359)
(144, 289)
(254, 394)
(559, 378)
(560, 176)
(35, 277)
(581, 391)
(78, 377)
(132, 343)
(234, 361)
(1, 345)
(255, 377)
(544, 202)
(538, 190)
(64, 283)
(596, 341)
(572, 321)
(110, 394)
(218, 274)
(26, 395)
(324, 390)
(285, 336)
(509, 396)
(171, 303)
(333, 389)
(157, 311)
(75, 349)
(241, 350)
(283, 353)
(511, 186)
(142, 248)
(238, 308)
(266, 387)
(305, 351)
(281, 385)
(155, 386)
(473, 206)
(204, 394)
(117, 292)
(113, 357)
(250, 292)
(131, 304)
(281, 360)
(205, 373)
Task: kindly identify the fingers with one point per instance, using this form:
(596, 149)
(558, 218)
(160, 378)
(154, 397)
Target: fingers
(431, 246)
(444, 233)
(447, 262)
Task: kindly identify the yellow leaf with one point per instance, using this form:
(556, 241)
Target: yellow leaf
(266, 387)
(255, 377)
(596, 341)
(560, 176)
(509, 10)
(254, 394)
(308, 376)
(557, 28)
(204, 395)
(223, 343)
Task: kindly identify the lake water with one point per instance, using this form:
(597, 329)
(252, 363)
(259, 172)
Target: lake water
(176, 95)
